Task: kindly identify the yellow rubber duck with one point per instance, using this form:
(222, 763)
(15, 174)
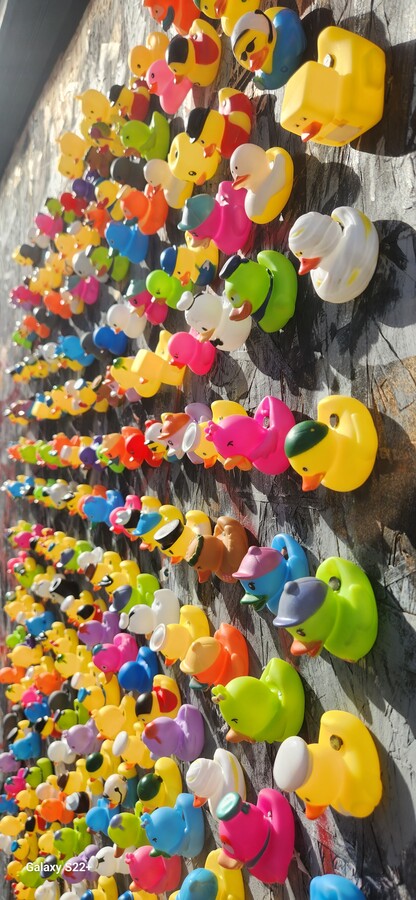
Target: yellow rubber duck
(230, 884)
(163, 700)
(174, 536)
(71, 144)
(229, 11)
(144, 55)
(342, 770)
(158, 174)
(69, 167)
(110, 719)
(95, 106)
(148, 370)
(338, 450)
(336, 99)
(132, 749)
(160, 787)
(195, 56)
(267, 176)
(173, 641)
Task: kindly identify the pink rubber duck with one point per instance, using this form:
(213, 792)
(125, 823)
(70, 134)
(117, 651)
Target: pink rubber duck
(110, 657)
(187, 349)
(153, 874)
(183, 736)
(261, 837)
(161, 81)
(155, 312)
(260, 440)
(222, 219)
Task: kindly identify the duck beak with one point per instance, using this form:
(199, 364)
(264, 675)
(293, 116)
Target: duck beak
(201, 180)
(209, 150)
(257, 59)
(236, 737)
(300, 649)
(185, 278)
(199, 801)
(239, 181)
(206, 335)
(313, 812)
(311, 131)
(307, 264)
(243, 312)
(311, 482)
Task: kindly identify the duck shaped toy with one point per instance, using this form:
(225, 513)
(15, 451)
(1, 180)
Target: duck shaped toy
(349, 74)
(265, 571)
(259, 440)
(342, 770)
(186, 349)
(337, 611)
(161, 81)
(338, 450)
(211, 779)
(183, 736)
(178, 13)
(148, 370)
(142, 56)
(209, 315)
(270, 708)
(151, 874)
(195, 56)
(210, 135)
(149, 207)
(229, 11)
(220, 553)
(144, 619)
(334, 887)
(213, 882)
(188, 263)
(260, 836)
(266, 290)
(218, 659)
(340, 251)
(175, 639)
(149, 141)
(222, 219)
(267, 178)
(128, 240)
(270, 44)
(175, 831)
(160, 787)
(158, 175)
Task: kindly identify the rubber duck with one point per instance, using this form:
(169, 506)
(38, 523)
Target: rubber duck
(260, 440)
(264, 571)
(191, 264)
(144, 619)
(161, 81)
(126, 318)
(196, 153)
(195, 56)
(160, 787)
(178, 13)
(334, 887)
(350, 74)
(338, 450)
(211, 779)
(260, 836)
(163, 699)
(266, 290)
(183, 736)
(127, 104)
(138, 674)
(187, 350)
(95, 105)
(271, 44)
(148, 370)
(218, 659)
(229, 11)
(174, 640)
(340, 251)
(219, 554)
(270, 708)
(213, 882)
(337, 611)
(177, 830)
(133, 751)
(128, 240)
(149, 141)
(149, 207)
(342, 770)
(158, 174)
(143, 55)
(106, 889)
(110, 657)
(153, 874)
(222, 219)
(267, 178)
(173, 428)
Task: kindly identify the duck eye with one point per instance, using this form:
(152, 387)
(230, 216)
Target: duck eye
(192, 173)
(300, 632)
(230, 444)
(252, 585)
(235, 720)
(304, 468)
(250, 46)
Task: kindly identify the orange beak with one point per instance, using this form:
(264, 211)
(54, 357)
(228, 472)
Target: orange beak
(313, 812)
(240, 180)
(311, 482)
(307, 264)
(310, 133)
(300, 649)
(199, 801)
(257, 59)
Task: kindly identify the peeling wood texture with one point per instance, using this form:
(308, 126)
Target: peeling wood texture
(365, 348)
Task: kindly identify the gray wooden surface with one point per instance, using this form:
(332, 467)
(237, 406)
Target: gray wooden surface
(365, 348)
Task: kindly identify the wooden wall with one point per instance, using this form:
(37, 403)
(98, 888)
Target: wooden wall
(365, 348)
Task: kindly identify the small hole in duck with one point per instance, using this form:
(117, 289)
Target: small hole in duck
(334, 420)
(336, 742)
(334, 583)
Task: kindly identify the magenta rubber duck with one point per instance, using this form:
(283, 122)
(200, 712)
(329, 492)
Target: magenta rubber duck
(221, 219)
(260, 440)
(154, 874)
(260, 836)
(183, 736)
(110, 657)
(160, 80)
(187, 349)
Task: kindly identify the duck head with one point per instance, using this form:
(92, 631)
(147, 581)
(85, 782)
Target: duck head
(307, 609)
(311, 448)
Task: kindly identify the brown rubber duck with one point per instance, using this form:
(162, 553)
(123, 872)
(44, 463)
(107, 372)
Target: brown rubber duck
(219, 553)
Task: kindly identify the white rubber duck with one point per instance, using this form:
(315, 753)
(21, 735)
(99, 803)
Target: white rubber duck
(340, 251)
(211, 779)
(144, 619)
(49, 890)
(158, 174)
(209, 315)
(267, 176)
(124, 317)
(106, 863)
